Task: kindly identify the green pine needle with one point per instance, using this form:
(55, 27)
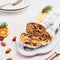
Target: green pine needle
(46, 9)
(3, 25)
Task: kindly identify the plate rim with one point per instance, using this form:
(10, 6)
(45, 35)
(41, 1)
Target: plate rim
(28, 4)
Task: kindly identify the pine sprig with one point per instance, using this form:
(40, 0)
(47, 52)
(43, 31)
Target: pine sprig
(46, 9)
(3, 25)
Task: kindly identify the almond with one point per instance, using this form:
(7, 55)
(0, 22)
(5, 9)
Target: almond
(9, 59)
(14, 38)
(3, 43)
(1, 38)
(8, 50)
(56, 31)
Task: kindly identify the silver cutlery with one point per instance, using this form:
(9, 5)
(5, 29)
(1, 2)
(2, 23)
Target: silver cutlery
(13, 4)
(55, 54)
(17, 2)
(4, 5)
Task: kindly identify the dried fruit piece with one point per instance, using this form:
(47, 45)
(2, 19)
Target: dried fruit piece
(4, 32)
(14, 38)
(3, 43)
(1, 38)
(9, 59)
(8, 50)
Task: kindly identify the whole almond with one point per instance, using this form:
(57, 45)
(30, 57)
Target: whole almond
(1, 38)
(3, 43)
(9, 59)
(14, 38)
(8, 50)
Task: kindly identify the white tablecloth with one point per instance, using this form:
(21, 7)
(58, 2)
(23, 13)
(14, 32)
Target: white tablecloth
(14, 20)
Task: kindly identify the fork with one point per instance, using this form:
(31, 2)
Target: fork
(17, 2)
(13, 4)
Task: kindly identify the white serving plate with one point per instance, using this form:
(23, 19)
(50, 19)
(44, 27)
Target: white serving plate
(47, 48)
(10, 8)
(41, 50)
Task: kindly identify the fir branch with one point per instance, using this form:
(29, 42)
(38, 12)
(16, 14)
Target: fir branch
(3, 25)
(46, 9)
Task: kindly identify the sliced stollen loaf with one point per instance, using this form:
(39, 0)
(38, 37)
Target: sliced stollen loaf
(35, 35)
